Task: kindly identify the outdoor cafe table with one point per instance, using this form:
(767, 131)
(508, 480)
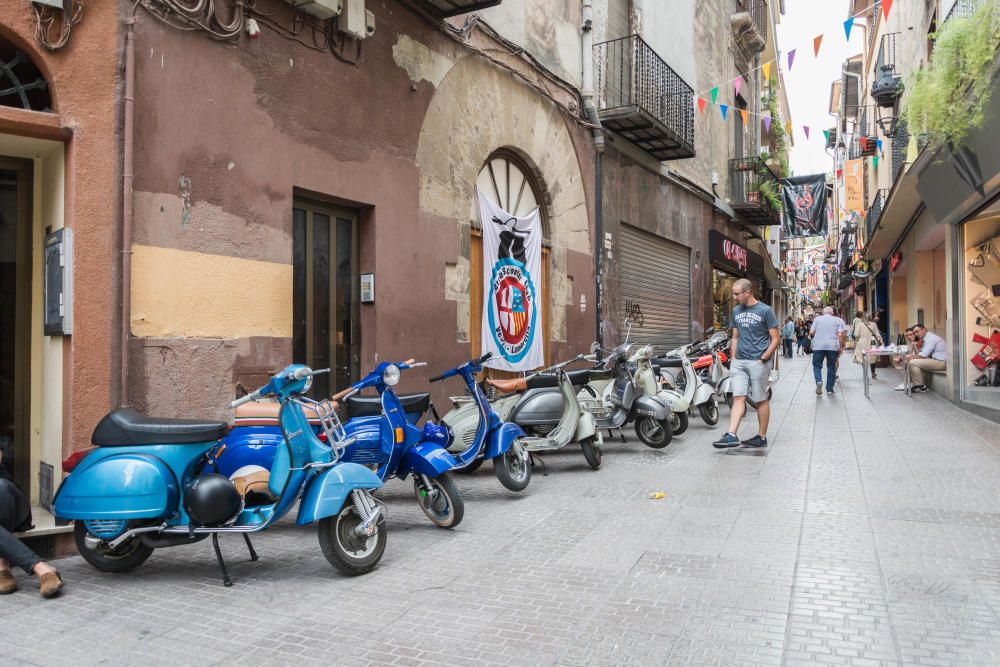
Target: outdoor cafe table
(866, 367)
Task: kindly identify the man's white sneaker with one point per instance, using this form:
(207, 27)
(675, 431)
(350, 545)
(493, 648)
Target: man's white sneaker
(900, 387)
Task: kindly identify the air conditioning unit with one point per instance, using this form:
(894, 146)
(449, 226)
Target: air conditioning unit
(321, 9)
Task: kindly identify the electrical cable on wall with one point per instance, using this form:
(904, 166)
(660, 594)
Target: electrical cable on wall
(46, 19)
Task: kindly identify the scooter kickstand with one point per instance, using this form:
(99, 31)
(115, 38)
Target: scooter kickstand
(536, 460)
(253, 554)
(222, 564)
(621, 433)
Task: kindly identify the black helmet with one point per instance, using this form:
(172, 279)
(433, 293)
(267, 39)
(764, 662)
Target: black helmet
(212, 500)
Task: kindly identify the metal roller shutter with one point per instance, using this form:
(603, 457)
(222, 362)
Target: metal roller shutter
(655, 288)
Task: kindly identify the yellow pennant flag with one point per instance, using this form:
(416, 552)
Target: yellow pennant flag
(767, 71)
(788, 128)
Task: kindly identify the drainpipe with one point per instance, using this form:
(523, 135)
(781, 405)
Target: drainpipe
(127, 179)
(591, 110)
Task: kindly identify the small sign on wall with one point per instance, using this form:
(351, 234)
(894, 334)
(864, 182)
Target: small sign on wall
(367, 288)
(58, 283)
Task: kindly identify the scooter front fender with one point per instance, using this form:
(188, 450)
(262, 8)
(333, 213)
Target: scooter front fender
(501, 439)
(585, 427)
(652, 406)
(426, 458)
(674, 399)
(703, 394)
(326, 493)
(118, 486)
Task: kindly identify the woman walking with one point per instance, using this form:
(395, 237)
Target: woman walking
(866, 336)
(801, 335)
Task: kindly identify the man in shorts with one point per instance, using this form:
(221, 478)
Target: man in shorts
(755, 339)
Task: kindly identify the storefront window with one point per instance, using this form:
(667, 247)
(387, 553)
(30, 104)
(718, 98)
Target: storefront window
(722, 298)
(981, 342)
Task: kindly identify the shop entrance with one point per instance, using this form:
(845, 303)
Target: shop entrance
(325, 328)
(15, 314)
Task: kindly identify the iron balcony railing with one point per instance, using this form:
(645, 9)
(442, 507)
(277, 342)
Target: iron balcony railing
(755, 191)
(876, 8)
(875, 211)
(962, 9)
(900, 144)
(445, 8)
(864, 141)
(749, 25)
(641, 98)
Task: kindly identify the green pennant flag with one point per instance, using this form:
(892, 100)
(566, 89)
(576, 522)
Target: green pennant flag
(826, 135)
(715, 93)
(875, 161)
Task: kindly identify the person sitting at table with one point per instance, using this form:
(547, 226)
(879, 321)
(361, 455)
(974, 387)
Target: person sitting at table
(932, 356)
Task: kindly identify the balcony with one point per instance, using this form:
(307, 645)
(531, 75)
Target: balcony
(888, 84)
(749, 25)
(900, 144)
(446, 8)
(865, 140)
(875, 211)
(962, 9)
(641, 98)
(755, 191)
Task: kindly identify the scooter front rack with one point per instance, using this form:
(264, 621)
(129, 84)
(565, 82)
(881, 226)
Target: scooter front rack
(329, 421)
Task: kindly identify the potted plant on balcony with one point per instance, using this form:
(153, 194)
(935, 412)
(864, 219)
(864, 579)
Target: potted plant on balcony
(770, 195)
(753, 193)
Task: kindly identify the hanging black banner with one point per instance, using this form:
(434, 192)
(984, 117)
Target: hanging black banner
(804, 199)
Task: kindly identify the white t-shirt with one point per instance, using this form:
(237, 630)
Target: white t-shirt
(825, 330)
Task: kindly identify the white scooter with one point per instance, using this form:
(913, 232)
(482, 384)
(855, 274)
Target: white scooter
(695, 392)
(720, 379)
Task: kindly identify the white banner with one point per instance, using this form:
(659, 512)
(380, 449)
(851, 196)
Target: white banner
(512, 271)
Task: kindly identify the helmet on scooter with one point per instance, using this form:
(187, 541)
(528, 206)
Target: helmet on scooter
(212, 500)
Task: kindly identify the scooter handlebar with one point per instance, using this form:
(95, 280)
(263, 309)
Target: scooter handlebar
(454, 371)
(245, 399)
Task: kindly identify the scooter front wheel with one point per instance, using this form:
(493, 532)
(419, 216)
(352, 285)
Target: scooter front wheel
(350, 553)
(652, 432)
(591, 452)
(442, 503)
(710, 411)
(678, 422)
(513, 467)
(96, 551)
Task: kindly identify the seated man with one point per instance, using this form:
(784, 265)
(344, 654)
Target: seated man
(931, 357)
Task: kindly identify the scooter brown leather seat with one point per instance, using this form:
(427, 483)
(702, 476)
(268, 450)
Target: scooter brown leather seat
(508, 386)
(265, 413)
(125, 427)
(371, 406)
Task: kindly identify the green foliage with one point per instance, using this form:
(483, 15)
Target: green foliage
(778, 134)
(770, 194)
(950, 96)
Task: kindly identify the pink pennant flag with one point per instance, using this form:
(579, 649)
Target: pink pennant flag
(767, 123)
(791, 59)
(805, 128)
(737, 82)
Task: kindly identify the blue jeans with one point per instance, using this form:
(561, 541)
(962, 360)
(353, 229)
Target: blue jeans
(831, 366)
(11, 548)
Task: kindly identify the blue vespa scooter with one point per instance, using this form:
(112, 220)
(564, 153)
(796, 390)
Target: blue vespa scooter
(478, 433)
(145, 486)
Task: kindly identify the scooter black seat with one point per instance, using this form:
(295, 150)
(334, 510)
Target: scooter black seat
(371, 406)
(578, 378)
(668, 362)
(121, 428)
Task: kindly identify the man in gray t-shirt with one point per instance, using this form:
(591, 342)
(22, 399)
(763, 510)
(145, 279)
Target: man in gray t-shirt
(755, 338)
(828, 333)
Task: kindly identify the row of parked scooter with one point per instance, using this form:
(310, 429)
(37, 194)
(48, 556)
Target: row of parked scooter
(150, 483)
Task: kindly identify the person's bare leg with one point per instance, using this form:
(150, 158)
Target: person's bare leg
(736, 414)
(763, 417)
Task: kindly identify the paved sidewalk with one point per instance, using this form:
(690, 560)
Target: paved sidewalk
(868, 533)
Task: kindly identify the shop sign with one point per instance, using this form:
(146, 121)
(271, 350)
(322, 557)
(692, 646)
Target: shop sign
(894, 261)
(727, 253)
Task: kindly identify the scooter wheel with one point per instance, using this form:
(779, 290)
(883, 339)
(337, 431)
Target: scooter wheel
(654, 433)
(679, 422)
(350, 553)
(127, 556)
(710, 412)
(591, 452)
(446, 509)
(513, 467)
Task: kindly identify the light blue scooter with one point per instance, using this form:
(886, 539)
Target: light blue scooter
(145, 486)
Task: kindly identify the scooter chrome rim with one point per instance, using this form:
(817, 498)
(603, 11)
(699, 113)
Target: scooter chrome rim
(350, 542)
(516, 461)
(651, 428)
(437, 506)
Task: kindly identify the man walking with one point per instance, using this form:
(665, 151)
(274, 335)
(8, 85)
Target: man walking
(931, 357)
(755, 339)
(788, 337)
(828, 337)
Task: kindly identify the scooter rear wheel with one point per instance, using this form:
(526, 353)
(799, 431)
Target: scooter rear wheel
(513, 467)
(447, 509)
(350, 553)
(128, 556)
(679, 422)
(654, 433)
(591, 452)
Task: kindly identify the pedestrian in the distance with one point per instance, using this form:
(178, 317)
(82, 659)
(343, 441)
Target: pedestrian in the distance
(755, 340)
(802, 335)
(829, 334)
(788, 337)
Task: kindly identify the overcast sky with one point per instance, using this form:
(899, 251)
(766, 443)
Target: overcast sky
(808, 83)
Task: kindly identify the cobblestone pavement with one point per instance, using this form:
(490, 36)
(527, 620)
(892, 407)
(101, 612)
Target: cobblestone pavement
(868, 533)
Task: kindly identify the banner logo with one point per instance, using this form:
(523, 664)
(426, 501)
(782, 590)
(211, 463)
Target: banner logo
(512, 316)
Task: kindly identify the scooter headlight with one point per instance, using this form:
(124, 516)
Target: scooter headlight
(390, 376)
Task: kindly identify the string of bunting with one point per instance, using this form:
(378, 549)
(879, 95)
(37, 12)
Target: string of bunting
(701, 102)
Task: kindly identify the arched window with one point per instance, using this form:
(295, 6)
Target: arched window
(21, 83)
(507, 181)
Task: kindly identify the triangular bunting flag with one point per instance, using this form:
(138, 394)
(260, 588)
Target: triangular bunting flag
(788, 128)
(826, 136)
(875, 161)
(878, 142)
(864, 144)
(743, 112)
(816, 42)
(847, 27)
(857, 166)
(805, 128)
(767, 70)
(886, 4)
(791, 59)
(737, 82)
(715, 94)
(701, 104)
(767, 123)
(723, 108)
(840, 172)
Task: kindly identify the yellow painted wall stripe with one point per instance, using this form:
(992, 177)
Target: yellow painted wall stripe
(179, 293)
